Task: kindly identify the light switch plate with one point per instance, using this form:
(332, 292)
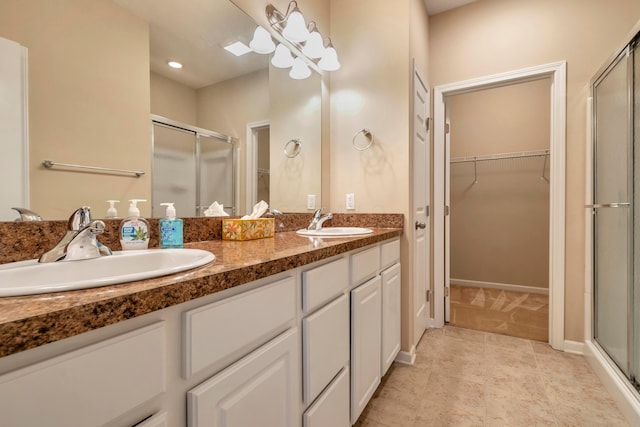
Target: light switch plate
(311, 201)
(351, 201)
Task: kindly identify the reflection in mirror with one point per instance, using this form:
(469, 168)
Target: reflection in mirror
(192, 168)
(97, 71)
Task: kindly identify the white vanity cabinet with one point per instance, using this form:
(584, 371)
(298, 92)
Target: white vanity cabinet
(259, 390)
(390, 316)
(91, 386)
(375, 319)
(325, 344)
(305, 347)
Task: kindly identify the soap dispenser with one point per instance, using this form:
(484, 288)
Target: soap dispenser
(170, 228)
(134, 230)
(112, 212)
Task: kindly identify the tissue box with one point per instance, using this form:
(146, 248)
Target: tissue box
(247, 229)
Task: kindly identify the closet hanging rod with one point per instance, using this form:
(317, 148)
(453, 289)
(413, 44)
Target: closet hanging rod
(502, 156)
(49, 164)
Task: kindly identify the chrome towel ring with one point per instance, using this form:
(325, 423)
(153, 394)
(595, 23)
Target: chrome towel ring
(292, 148)
(368, 136)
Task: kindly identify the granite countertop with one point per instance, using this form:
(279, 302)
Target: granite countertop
(31, 321)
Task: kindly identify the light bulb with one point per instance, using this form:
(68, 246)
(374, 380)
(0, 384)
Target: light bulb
(282, 58)
(262, 42)
(300, 70)
(296, 29)
(314, 48)
(329, 61)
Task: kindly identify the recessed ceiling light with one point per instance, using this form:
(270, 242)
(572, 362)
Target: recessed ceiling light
(238, 48)
(174, 64)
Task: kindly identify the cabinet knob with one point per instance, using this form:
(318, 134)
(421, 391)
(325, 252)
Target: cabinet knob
(421, 225)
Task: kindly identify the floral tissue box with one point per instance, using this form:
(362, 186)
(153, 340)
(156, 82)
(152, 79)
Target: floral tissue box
(247, 229)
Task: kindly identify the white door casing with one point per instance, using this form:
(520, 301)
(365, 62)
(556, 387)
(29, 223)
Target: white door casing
(421, 200)
(557, 73)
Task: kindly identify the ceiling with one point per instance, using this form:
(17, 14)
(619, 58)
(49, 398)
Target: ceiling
(194, 32)
(438, 6)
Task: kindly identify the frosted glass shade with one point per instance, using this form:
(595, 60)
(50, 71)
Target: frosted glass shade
(296, 29)
(329, 61)
(282, 58)
(300, 70)
(314, 48)
(262, 42)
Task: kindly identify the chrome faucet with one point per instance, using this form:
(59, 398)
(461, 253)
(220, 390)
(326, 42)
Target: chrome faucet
(80, 241)
(318, 219)
(27, 215)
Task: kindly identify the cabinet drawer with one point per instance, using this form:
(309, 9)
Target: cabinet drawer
(332, 407)
(219, 333)
(389, 253)
(158, 420)
(324, 283)
(259, 390)
(87, 387)
(365, 264)
(325, 346)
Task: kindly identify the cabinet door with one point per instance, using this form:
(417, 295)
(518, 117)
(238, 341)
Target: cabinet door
(261, 389)
(332, 407)
(325, 348)
(365, 344)
(390, 316)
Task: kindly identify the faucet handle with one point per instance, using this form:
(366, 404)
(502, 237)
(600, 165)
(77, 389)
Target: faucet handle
(80, 218)
(318, 213)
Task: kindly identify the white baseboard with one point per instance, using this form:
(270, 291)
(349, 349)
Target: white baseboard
(625, 396)
(407, 357)
(574, 347)
(503, 286)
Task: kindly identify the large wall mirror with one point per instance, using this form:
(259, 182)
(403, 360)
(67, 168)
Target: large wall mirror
(98, 73)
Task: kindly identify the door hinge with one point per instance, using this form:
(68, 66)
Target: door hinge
(428, 295)
(426, 211)
(446, 128)
(446, 211)
(446, 292)
(426, 123)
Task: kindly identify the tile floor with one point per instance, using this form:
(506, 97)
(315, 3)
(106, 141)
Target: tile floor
(517, 314)
(464, 377)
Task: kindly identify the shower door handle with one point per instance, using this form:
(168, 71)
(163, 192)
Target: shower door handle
(609, 205)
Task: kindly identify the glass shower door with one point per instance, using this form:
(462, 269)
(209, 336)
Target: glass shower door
(612, 209)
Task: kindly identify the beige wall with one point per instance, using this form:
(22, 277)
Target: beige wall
(493, 36)
(88, 100)
(372, 90)
(500, 224)
(173, 100)
(295, 114)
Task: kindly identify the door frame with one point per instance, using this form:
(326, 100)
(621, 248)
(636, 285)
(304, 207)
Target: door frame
(251, 165)
(557, 72)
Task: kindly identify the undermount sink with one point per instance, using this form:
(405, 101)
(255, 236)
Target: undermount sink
(335, 232)
(31, 277)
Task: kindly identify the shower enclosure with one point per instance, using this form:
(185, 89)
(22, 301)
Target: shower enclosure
(616, 222)
(192, 168)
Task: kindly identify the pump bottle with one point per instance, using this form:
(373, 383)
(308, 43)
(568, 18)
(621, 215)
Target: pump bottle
(134, 230)
(170, 228)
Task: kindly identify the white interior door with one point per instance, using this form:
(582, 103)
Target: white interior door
(421, 197)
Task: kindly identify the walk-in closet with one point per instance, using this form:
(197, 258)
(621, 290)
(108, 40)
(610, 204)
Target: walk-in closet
(499, 209)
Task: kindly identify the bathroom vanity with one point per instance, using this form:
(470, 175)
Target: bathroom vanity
(288, 331)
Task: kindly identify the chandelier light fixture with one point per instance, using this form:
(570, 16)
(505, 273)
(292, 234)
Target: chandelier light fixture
(303, 46)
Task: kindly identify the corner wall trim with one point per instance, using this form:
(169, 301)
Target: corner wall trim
(628, 400)
(574, 347)
(407, 357)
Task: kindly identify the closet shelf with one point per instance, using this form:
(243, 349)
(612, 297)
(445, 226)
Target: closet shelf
(500, 156)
